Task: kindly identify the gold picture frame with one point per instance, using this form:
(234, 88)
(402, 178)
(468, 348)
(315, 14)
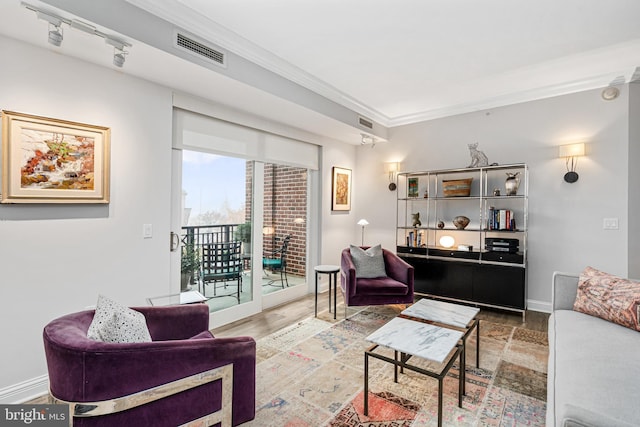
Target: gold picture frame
(341, 189)
(47, 160)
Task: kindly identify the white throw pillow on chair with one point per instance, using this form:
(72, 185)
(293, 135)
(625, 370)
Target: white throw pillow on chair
(369, 263)
(116, 323)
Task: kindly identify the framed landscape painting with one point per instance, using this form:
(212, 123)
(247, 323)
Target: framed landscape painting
(341, 189)
(53, 161)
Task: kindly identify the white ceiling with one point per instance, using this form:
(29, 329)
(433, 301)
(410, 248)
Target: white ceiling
(394, 61)
(409, 60)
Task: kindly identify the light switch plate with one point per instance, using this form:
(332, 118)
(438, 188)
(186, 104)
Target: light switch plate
(147, 231)
(610, 223)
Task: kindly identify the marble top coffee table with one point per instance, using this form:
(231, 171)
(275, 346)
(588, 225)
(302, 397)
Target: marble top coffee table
(448, 315)
(413, 338)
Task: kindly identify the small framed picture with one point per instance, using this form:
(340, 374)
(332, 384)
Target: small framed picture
(412, 190)
(341, 189)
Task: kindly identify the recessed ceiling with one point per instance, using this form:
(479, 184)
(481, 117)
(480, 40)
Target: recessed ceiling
(395, 62)
(401, 62)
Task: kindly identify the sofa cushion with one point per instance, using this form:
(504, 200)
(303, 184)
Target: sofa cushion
(116, 323)
(609, 297)
(369, 263)
(592, 367)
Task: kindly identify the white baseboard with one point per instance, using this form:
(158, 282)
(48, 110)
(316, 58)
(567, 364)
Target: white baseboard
(25, 391)
(542, 306)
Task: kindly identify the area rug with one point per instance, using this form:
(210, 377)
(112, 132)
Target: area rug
(311, 374)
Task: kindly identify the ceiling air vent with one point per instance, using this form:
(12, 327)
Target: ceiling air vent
(200, 49)
(366, 123)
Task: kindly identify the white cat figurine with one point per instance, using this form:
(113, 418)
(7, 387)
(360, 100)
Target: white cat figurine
(478, 158)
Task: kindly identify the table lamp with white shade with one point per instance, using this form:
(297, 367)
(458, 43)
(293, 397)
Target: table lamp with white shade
(363, 222)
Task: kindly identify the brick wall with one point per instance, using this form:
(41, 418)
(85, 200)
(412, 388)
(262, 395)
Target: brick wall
(285, 199)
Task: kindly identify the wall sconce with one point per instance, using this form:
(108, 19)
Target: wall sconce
(363, 222)
(392, 168)
(298, 221)
(447, 241)
(570, 153)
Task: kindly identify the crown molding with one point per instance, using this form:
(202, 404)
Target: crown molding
(176, 13)
(187, 19)
(565, 88)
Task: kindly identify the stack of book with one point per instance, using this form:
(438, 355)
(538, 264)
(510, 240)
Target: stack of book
(501, 219)
(495, 244)
(415, 239)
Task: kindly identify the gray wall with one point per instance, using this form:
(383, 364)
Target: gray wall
(565, 220)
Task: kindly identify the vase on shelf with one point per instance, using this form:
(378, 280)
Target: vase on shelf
(512, 183)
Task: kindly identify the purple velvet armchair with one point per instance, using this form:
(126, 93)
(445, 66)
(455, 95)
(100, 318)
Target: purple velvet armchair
(183, 375)
(395, 288)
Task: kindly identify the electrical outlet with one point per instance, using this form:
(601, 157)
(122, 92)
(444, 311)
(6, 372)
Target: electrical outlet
(610, 223)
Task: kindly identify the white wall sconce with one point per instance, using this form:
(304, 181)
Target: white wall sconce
(363, 222)
(447, 241)
(570, 153)
(392, 168)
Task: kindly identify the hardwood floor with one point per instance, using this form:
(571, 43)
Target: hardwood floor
(273, 319)
(276, 318)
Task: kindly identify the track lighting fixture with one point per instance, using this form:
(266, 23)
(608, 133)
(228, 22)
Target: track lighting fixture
(118, 51)
(367, 139)
(56, 33)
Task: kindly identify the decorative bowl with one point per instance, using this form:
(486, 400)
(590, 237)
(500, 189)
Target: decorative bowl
(460, 222)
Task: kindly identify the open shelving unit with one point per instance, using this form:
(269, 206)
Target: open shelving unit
(484, 263)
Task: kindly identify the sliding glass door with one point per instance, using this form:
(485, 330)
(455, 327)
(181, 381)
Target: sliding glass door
(239, 187)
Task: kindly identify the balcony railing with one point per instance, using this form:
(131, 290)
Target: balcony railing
(198, 235)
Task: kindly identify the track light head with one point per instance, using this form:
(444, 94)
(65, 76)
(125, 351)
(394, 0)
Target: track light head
(55, 35)
(119, 57)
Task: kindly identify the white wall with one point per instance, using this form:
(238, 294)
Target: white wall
(338, 227)
(565, 220)
(57, 259)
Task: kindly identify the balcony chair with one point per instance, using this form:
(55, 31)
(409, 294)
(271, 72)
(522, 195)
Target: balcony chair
(278, 262)
(222, 262)
(393, 286)
(182, 375)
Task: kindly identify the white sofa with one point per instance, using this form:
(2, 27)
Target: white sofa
(593, 375)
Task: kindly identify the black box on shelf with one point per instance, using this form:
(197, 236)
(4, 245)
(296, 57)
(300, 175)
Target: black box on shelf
(501, 242)
(505, 249)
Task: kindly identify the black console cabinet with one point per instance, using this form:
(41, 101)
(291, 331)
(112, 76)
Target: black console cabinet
(492, 285)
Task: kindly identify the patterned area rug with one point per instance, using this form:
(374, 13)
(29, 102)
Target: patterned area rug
(311, 374)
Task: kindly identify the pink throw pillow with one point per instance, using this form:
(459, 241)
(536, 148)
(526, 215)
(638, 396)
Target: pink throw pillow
(609, 297)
